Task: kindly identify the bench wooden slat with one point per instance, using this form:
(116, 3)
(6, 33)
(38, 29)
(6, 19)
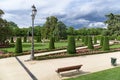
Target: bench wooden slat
(77, 67)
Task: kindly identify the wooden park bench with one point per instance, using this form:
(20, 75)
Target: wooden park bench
(77, 67)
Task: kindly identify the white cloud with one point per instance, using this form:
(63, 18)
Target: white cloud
(97, 24)
(73, 12)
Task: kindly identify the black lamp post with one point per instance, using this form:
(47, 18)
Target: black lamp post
(34, 11)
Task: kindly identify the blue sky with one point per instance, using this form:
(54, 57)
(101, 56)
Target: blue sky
(76, 13)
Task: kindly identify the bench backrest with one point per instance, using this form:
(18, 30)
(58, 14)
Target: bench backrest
(68, 68)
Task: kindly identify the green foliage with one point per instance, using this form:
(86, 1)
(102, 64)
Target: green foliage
(51, 43)
(101, 41)
(38, 38)
(113, 22)
(70, 31)
(118, 38)
(82, 38)
(98, 37)
(78, 38)
(95, 40)
(25, 39)
(113, 37)
(105, 43)
(71, 48)
(86, 40)
(90, 43)
(5, 31)
(106, 32)
(18, 46)
(11, 40)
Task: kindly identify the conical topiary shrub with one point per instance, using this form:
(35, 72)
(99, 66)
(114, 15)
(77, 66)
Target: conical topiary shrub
(101, 41)
(18, 46)
(90, 43)
(11, 40)
(51, 43)
(105, 43)
(71, 48)
(82, 38)
(25, 39)
(95, 40)
(86, 40)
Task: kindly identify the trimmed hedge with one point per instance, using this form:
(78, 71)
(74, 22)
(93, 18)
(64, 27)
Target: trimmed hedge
(86, 40)
(101, 41)
(25, 39)
(105, 43)
(18, 46)
(71, 48)
(11, 40)
(90, 43)
(95, 39)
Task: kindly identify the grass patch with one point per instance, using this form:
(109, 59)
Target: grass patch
(40, 46)
(109, 74)
(115, 46)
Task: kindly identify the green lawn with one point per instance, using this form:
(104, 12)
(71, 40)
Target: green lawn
(115, 46)
(38, 46)
(110, 74)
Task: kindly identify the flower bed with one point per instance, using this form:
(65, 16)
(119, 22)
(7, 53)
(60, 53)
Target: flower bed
(80, 52)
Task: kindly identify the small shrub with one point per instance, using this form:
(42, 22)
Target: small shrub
(25, 39)
(95, 40)
(82, 38)
(18, 46)
(71, 48)
(101, 41)
(11, 40)
(105, 43)
(90, 44)
(86, 40)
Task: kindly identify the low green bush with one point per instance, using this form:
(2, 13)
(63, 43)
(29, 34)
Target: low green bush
(71, 48)
(18, 46)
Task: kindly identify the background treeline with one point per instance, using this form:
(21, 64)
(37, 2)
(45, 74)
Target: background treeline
(55, 28)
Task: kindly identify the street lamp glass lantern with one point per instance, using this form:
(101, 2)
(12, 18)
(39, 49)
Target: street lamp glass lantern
(34, 10)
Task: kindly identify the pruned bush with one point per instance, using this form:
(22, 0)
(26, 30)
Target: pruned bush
(71, 48)
(86, 40)
(105, 43)
(95, 40)
(11, 40)
(101, 41)
(90, 43)
(82, 38)
(51, 43)
(25, 39)
(18, 46)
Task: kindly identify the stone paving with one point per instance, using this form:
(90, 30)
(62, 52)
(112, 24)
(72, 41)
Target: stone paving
(45, 70)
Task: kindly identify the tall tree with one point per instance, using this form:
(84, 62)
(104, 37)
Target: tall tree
(50, 26)
(5, 31)
(1, 13)
(61, 30)
(113, 22)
